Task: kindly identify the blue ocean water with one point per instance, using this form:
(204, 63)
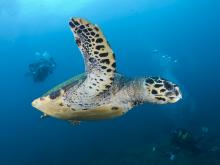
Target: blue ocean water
(179, 40)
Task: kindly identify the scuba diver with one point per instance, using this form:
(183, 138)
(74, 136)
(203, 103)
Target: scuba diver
(42, 68)
(183, 141)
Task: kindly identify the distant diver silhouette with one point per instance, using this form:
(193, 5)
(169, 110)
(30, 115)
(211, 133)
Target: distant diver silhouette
(42, 68)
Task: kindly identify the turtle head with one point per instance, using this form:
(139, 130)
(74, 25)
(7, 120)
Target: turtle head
(161, 91)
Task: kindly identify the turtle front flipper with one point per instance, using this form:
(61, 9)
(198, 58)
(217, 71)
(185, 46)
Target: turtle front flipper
(98, 56)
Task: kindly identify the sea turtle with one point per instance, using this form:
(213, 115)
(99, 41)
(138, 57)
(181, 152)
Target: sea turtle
(101, 93)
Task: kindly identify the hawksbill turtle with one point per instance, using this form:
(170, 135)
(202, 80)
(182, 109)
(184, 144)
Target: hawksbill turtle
(100, 92)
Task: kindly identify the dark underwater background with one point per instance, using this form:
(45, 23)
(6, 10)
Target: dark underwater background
(176, 39)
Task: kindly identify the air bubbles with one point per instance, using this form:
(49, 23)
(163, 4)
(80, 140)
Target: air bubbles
(165, 58)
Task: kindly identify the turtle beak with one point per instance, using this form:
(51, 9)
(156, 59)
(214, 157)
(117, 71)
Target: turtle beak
(178, 93)
(174, 95)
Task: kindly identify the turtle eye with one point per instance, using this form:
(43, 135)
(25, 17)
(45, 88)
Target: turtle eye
(168, 85)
